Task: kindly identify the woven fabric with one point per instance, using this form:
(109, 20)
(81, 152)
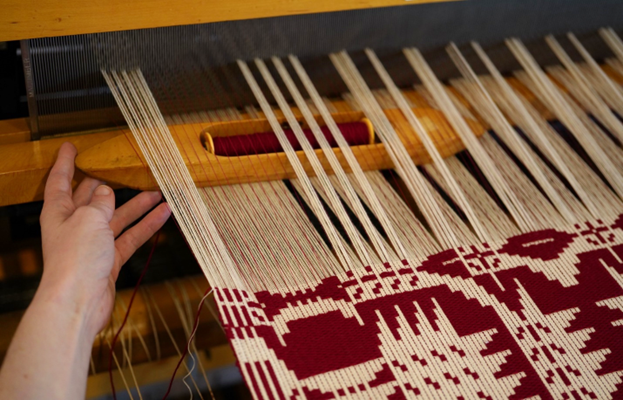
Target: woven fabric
(539, 314)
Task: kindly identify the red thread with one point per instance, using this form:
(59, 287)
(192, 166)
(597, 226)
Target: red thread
(127, 313)
(355, 133)
(192, 334)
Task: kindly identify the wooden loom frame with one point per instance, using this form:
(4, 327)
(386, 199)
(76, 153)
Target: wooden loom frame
(24, 165)
(47, 18)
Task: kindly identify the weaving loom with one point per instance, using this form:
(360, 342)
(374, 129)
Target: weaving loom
(401, 202)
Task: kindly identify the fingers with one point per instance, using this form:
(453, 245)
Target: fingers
(133, 210)
(84, 192)
(103, 199)
(136, 236)
(59, 180)
(58, 203)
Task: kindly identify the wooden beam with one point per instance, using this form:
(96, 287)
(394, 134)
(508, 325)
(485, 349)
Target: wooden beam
(24, 167)
(114, 157)
(14, 131)
(29, 19)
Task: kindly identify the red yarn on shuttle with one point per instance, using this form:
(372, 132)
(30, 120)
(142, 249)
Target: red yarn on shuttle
(355, 133)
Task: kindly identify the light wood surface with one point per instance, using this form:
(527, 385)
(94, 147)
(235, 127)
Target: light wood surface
(29, 19)
(114, 156)
(14, 131)
(24, 166)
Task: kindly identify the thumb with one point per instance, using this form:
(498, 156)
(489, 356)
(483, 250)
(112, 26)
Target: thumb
(104, 200)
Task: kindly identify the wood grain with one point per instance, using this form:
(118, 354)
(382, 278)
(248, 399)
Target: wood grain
(113, 156)
(14, 131)
(29, 19)
(24, 167)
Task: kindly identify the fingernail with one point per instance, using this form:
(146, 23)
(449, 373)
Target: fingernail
(102, 190)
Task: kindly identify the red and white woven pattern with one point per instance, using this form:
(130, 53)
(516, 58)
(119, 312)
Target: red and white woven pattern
(540, 314)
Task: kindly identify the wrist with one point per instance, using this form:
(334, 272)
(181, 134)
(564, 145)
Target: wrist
(63, 299)
(49, 354)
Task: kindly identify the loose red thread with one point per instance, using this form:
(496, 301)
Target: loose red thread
(127, 313)
(192, 334)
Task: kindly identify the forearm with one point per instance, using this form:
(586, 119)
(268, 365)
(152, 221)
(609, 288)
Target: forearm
(49, 355)
(84, 246)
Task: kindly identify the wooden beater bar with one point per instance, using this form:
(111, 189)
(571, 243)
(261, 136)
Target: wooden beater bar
(114, 157)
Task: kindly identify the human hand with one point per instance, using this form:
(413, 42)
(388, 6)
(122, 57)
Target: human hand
(83, 248)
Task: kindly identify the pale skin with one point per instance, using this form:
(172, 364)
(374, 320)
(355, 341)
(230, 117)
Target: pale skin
(84, 247)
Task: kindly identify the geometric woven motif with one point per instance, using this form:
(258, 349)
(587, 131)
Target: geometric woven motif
(539, 314)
